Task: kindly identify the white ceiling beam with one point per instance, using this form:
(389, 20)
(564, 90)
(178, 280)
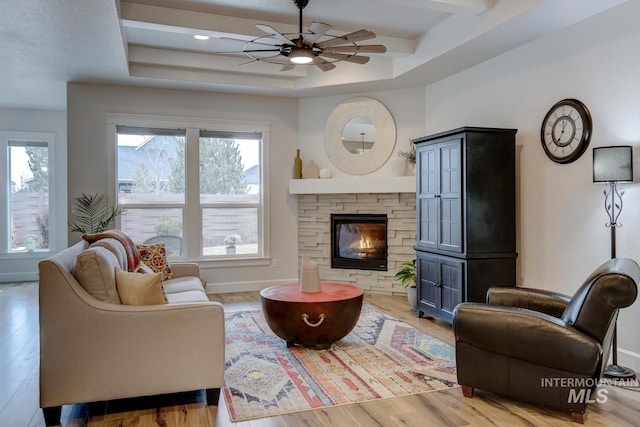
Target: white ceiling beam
(463, 7)
(193, 60)
(216, 78)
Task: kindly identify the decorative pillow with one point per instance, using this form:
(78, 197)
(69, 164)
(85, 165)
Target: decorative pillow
(140, 289)
(94, 270)
(155, 257)
(144, 269)
(129, 246)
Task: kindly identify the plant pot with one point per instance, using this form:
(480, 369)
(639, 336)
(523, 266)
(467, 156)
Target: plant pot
(230, 250)
(412, 297)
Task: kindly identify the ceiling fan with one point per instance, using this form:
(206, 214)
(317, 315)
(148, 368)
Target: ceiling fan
(314, 47)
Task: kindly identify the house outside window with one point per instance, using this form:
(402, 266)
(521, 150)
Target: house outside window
(199, 189)
(27, 193)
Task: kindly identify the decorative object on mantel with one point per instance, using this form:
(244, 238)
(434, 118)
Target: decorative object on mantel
(311, 170)
(409, 156)
(297, 166)
(325, 173)
(375, 119)
(309, 275)
(612, 165)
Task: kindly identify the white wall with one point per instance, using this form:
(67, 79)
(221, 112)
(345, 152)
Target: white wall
(18, 267)
(87, 106)
(561, 217)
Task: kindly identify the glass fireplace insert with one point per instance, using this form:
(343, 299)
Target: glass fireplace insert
(359, 241)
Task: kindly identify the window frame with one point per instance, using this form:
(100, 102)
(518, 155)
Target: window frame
(5, 182)
(192, 213)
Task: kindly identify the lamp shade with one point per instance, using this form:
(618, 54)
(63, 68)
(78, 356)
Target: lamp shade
(613, 164)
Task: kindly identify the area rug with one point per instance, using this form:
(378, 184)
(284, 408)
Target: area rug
(382, 357)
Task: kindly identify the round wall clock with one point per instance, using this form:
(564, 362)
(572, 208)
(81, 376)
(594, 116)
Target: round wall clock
(566, 131)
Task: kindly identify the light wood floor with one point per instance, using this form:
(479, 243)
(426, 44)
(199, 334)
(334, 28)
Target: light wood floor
(19, 352)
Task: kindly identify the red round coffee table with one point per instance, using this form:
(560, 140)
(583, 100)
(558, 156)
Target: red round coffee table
(312, 319)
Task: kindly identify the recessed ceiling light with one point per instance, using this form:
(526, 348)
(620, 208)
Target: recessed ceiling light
(201, 37)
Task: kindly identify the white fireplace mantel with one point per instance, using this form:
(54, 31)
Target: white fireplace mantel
(385, 184)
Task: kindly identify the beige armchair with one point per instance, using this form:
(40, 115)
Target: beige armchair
(92, 350)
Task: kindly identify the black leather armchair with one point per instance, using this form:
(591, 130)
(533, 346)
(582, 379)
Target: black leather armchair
(543, 347)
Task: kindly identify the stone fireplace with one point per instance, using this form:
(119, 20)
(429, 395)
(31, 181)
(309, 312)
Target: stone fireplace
(318, 199)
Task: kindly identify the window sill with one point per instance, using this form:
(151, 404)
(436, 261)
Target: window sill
(37, 254)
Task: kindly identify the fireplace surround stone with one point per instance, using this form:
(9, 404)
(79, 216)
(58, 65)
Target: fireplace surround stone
(314, 234)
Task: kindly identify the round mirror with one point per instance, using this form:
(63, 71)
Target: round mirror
(360, 135)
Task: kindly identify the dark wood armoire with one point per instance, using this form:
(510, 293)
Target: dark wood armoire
(466, 217)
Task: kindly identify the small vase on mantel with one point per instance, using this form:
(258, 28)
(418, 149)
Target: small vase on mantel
(297, 166)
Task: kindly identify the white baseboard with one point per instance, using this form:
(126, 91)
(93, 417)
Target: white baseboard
(223, 288)
(629, 359)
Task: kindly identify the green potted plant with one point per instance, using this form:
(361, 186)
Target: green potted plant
(410, 157)
(230, 242)
(92, 214)
(406, 275)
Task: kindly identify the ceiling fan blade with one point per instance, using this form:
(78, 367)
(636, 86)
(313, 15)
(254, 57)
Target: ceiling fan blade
(356, 36)
(253, 61)
(271, 31)
(288, 67)
(347, 58)
(323, 65)
(317, 30)
(231, 52)
(253, 42)
(371, 48)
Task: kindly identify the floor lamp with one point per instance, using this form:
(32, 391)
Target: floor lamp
(612, 165)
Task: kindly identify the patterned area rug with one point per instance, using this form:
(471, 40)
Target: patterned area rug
(382, 357)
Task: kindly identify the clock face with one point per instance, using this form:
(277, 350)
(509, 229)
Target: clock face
(566, 131)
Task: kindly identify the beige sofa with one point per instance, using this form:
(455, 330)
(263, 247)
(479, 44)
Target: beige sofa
(93, 350)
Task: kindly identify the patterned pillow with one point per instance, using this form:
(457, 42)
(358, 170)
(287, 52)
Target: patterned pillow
(155, 257)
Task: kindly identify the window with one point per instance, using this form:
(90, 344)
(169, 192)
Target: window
(150, 185)
(230, 192)
(204, 187)
(27, 192)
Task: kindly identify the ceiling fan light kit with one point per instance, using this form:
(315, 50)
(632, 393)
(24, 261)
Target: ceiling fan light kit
(301, 56)
(306, 47)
